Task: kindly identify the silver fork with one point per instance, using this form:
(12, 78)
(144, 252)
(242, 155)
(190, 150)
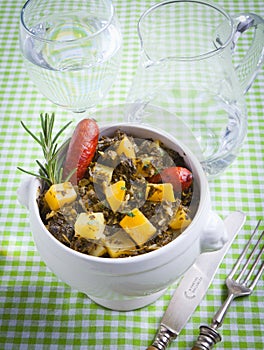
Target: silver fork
(239, 286)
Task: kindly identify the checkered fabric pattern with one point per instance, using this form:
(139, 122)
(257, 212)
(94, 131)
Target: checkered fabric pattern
(37, 311)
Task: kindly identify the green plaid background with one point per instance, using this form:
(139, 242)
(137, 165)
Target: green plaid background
(39, 312)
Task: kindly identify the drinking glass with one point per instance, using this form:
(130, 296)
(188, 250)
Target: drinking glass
(71, 50)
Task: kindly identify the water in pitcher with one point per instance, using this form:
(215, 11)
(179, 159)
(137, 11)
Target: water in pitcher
(205, 105)
(69, 69)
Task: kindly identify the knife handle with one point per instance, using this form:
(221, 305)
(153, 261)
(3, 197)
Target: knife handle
(163, 337)
(208, 337)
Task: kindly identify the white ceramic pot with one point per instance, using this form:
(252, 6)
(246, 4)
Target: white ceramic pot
(132, 282)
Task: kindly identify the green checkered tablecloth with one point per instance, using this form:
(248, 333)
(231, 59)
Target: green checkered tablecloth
(37, 311)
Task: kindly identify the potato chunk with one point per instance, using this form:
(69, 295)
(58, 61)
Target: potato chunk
(125, 146)
(60, 194)
(139, 228)
(115, 194)
(145, 166)
(119, 243)
(102, 173)
(180, 220)
(160, 192)
(90, 226)
(100, 250)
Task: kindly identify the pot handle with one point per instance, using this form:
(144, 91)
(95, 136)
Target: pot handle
(214, 234)
(251, 63)
(23, 191)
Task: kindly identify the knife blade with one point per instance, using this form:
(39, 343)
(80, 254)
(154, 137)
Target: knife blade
(194, 286)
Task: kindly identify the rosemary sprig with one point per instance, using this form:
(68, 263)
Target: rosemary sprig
(51, 171)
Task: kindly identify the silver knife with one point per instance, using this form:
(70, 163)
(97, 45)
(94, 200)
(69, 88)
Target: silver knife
(194, 286)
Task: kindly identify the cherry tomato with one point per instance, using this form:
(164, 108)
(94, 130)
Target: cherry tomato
(180, 178)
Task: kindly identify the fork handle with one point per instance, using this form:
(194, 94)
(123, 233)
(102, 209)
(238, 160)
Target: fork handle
(207, 338)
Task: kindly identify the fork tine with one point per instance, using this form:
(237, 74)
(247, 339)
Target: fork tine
(257, 277)
(253, 268)
(238, 263)
(249, 260)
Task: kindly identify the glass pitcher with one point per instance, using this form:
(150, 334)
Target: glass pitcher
(187, 69)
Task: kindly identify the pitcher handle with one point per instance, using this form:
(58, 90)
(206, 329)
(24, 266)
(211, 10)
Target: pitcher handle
(252, 61)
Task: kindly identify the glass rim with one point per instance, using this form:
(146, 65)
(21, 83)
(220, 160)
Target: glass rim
(33, 35)
(195, 57)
